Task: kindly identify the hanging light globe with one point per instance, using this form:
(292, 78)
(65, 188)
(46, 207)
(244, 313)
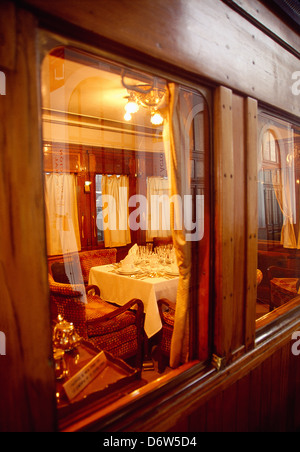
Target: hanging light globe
(156, 118)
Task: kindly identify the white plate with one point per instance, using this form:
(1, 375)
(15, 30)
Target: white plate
(127, 272)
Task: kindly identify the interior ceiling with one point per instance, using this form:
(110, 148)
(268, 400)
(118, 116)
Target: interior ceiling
(72, 87)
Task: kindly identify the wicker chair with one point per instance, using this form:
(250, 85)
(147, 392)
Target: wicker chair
(119, 330)
(167, 315)
(284, 285)
(93, 258)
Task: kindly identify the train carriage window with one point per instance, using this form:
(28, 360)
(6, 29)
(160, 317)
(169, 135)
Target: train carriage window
(127, 184)
(278, 213)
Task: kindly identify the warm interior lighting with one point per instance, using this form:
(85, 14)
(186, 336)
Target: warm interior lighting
(156, 118)
(127, 116)
(131, 107)
(87, 186)
(148, 95)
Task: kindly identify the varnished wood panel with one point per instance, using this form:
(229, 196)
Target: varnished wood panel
(224, 222)
(211, 39)
(238, 136)
(8, 42)
(26, 375)
(251, 222)
(269, 21)
(261, 401)
(26, 385)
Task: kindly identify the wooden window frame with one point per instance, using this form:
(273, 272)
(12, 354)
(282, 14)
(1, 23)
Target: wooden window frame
(200, 320)
(33, 345)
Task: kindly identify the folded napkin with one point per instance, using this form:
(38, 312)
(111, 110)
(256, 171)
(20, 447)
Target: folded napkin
(133, 250)
(128, 262)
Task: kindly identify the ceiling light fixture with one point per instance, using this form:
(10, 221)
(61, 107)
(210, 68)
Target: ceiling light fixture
(131, 106)
(148, 95)
(156, 118)
(127, 116)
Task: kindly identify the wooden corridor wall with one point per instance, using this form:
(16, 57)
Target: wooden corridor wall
(260, 388)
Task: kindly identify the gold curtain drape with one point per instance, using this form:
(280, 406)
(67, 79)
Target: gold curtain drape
(61, 214)
(282, 193)
(158, 207)
(115, 192)
(62, 226)
(176, 143)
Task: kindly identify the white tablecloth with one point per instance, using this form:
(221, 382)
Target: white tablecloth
(120, 289)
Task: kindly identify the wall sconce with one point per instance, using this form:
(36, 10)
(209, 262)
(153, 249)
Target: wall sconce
(87, 186)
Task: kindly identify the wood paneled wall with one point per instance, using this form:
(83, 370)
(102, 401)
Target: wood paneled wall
(235, 218)
(27, 390)
(208, 40)
(257, 402)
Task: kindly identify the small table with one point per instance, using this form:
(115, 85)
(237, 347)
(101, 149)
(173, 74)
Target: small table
(120, 289)
(282, 290)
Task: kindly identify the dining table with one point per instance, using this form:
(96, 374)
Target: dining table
(117, 286)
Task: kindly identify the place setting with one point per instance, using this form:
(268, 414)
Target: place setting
(142, 263)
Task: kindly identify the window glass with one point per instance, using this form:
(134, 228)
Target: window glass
(278, 212)
(100, 226)
(126, 188)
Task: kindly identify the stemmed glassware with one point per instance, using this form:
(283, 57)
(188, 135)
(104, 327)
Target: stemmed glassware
(157, 262)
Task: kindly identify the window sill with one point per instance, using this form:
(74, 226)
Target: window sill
(119, 406)
(282, 317)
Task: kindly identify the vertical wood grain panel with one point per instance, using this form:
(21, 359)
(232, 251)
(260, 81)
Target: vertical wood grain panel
(293, 414)
(239, 221)
(251, 219)
(197, 422)
(26, 378)
(229, 412)
(243, 400)
(275, 383)
(296, 418)
(264, 400)
(255, 397)
(8, 35)
(214, 421)
(224, 221)
(284, 386)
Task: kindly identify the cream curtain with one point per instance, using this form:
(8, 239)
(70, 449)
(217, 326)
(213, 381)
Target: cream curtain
(62, 224)
(284, 188)
(115, 193)
(158, 208)
(284, 195)
(177, 151)
(61, 214)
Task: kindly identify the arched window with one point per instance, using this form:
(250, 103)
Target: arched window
(270, 216)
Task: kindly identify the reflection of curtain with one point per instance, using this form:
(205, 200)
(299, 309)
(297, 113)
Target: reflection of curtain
(176, 143)
(61, 214)
(271, 137)
(261, 198)
(62, 224)
(284, 196)
(158, 208)
(288, 195)
(115, 192)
